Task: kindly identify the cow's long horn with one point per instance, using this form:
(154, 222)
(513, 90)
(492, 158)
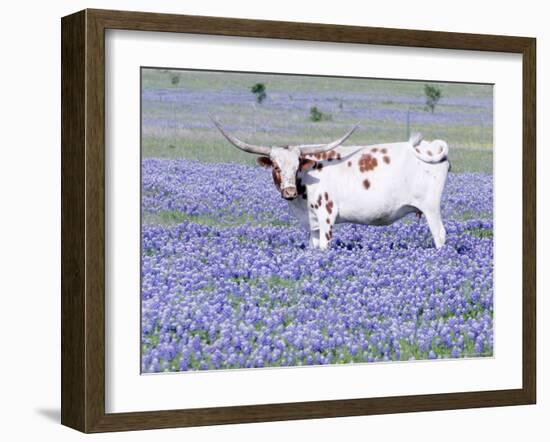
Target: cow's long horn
(251, 148)
(311, 149)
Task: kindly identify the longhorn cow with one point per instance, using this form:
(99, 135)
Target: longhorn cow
(328, 184)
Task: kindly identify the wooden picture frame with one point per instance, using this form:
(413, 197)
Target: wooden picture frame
(83, 220)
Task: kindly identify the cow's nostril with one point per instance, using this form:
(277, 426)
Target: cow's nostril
(289, 193)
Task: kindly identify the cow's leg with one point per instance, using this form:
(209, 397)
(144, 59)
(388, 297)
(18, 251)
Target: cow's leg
(325, 235)
(313, 220)
(326, 215)
(314, 239)
(433, 216)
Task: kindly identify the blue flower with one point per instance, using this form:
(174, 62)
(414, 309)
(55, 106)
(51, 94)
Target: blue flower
(226, 283)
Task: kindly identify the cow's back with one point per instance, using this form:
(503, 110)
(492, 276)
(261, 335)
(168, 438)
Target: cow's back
(377, 184)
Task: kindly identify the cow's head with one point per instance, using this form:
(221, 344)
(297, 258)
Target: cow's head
(285, 161)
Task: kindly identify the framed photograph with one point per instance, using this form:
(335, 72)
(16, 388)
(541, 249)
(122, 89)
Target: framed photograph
(267, 221)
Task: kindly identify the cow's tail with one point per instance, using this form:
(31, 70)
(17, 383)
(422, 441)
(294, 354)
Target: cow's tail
(429, 152)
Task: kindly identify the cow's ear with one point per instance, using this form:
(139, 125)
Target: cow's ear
(264, 161)
(306, 163)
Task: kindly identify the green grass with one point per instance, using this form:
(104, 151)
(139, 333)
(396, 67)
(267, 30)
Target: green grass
(265, 125)
(471, 160)
(181, 129)
(219, 151)
(468, 215)
(481, 233)
(172, 217)
(280, 83)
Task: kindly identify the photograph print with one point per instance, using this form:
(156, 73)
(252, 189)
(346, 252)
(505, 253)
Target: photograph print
(295, 220)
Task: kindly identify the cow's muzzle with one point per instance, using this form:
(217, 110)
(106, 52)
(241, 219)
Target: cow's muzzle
(289, 193)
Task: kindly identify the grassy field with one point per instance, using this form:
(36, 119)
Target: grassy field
(176, 105)
(228, 281)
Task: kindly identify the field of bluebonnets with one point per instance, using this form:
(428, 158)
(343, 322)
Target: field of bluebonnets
(227, 278)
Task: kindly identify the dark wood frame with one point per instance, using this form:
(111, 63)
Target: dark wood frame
(83, 217)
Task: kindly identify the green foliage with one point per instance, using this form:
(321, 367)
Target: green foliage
(172, 217)
(174, 79)
(433, 95)
(317, 115)
(481, 233)
(259, 90)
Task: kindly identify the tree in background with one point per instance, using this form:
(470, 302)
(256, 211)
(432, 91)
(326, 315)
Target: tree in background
(433, 95)
(317, 115)
(259, 90)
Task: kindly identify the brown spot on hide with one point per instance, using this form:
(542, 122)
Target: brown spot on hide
(430, 153)
(326, 196)
(349, 163)
(276, 177)
(312, 206)
(319, 200)
(306, 164)
(338, 156)
(386, 159)
(328, 221)
(367, 162)
(330, 205)
(440, 149)
(384, 151)
(374, 149)
(366, 184)
(327, 236)
(417, 151)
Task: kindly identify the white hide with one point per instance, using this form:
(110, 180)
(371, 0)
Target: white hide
(412, 181)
